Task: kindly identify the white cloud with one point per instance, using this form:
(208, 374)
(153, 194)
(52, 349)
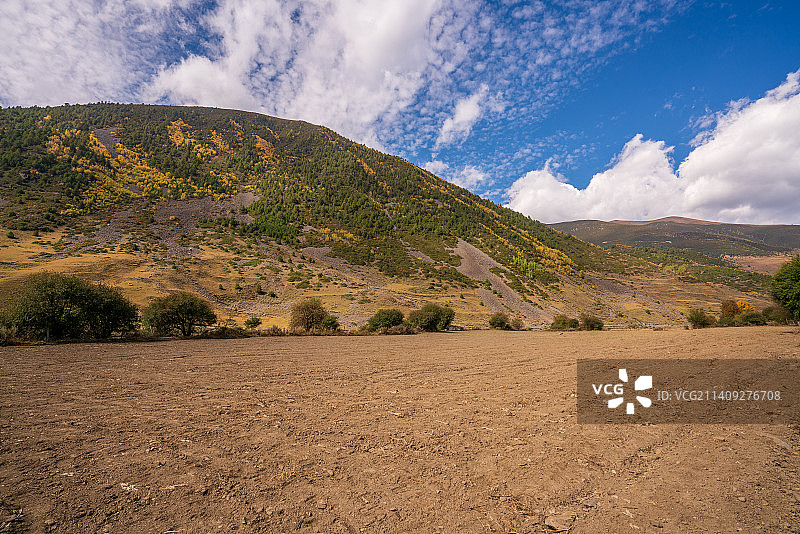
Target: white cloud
(640, 185)
(745, 169)
(386, 73)
(436, 167)
(80, 51)
(347, 64)
(467, 112)
(198, 81)
(468, 177)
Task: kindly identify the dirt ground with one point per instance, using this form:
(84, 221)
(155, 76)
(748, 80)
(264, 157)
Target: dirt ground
(762, 264)
(457, 432)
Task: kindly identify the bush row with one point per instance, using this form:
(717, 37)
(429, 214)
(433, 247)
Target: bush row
(586, 321)
(739, 313)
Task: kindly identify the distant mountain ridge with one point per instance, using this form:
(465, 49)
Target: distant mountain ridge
(713, 238)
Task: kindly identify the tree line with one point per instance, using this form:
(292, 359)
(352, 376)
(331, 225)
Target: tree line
(54, 306)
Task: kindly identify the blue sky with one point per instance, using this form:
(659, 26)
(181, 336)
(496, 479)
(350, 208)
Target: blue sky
(704, 58)
(564, 110)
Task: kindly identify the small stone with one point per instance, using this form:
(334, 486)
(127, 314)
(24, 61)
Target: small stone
(244, 520)
(562, 521)
(322, 504)
(743, 499)
(590, 503)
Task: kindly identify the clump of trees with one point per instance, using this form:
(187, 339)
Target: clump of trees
(55, 306)
(776, 314)
(586, 321)
(738, 313)
(698, 318)
(590, 322)
(500, 321)
(431, 318)
(562, 322)
(384, 320)
(179, 313)
(786, 287)
(310, 315)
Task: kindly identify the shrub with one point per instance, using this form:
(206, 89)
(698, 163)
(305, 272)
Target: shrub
(786, 287)
(728, 309)
(8, 332)
(776, 314)
(750, 318)
(431, 318)
(224, 332)
(330, 323)
(590, 322)
(274, 330)
(517, 324)
(309, 315)
(384, 319)
(253, 322)
(58, 306)
(500, 321)
(178, 313)
(698, 318)
(562, 322)
(725, 321)
(401, 329)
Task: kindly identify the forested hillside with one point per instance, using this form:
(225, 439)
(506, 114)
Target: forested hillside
(253, 211)
(59, 163)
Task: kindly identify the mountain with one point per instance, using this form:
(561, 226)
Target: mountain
(713, 238)
(254, 212)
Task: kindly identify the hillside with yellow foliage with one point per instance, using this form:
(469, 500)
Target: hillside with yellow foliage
(239, 207)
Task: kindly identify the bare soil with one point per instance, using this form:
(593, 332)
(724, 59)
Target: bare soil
(762, 264)
(458, 432)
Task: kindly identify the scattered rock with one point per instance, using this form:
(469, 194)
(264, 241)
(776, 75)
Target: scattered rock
(562, 521)
(590, 503)
(322, 504)
(742, 499)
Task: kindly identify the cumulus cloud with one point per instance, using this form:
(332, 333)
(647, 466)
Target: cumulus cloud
(467, 112)
(640, 185)
(747, 169)
(744, 169)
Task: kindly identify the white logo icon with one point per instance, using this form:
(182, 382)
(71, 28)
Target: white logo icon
(642, 383)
